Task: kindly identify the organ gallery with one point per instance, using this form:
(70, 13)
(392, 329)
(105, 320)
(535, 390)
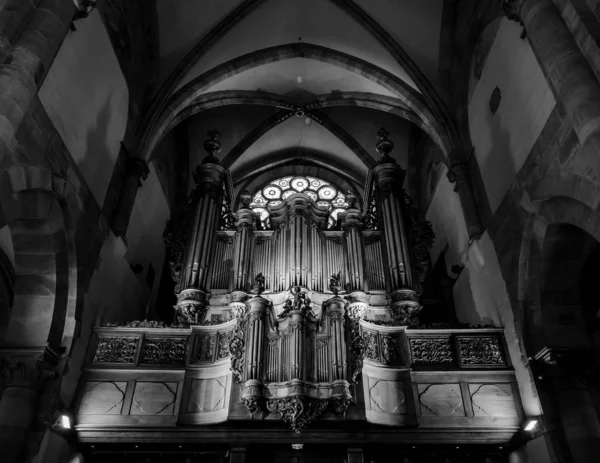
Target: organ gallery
(298, 307)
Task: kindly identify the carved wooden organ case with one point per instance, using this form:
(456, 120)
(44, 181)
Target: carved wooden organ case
(293, 319)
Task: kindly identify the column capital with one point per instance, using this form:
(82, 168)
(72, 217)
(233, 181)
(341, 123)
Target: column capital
(29, 368)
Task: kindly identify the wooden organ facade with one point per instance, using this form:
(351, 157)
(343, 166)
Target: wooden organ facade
(298, 325)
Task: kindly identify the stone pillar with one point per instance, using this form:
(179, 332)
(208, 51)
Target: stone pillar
(567, 71)
(335, 309)
(244, 244)
(458, 173)
(389, 178)
(352, 226)
(209, 177)
(25, 375)
(565, 372)
(252, 395)
(358, 303)
(135, 172)
(26, 62)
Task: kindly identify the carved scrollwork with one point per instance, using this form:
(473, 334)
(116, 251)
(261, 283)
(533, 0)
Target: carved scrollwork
(163, 351)
(236, 349)
(389, 350)
(371, 345)
(297, 411)
(224, 341)
(116, 350)
(480, 350)
(205, 348)
(431, 351)
(253, 404)
(340, 405)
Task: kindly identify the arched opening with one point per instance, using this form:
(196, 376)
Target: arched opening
(569, 297)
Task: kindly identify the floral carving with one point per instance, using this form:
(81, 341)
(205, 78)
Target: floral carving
(163, 351)
(480, 350)
(223, 348)
(253, 404)
(340, 405)
(297, 411)
(357, 348)
(431, 351)
(236, 349)
(116, 350)
(206, 348)
(371, 346)
(389, 350)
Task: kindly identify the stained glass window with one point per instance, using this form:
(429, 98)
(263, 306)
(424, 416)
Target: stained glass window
(321, 192)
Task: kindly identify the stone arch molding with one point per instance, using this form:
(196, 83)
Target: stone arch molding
(186, 97)
(39, 208)
(550, 210)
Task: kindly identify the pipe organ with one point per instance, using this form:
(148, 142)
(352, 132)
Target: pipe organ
(299, 305)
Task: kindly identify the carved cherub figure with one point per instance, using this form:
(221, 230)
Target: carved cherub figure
(288, 306)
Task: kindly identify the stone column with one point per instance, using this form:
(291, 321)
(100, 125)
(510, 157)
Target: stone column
(566, 372)
(357, 310)
(209, 177)
(25, 374)
(567, 71)
(27, 59)
(244, 244)
(335, 309)
(389, 178)
(252, 395)
(135, 172)
(352, 226)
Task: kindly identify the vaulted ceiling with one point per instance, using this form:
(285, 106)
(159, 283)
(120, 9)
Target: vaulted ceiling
(296, 83)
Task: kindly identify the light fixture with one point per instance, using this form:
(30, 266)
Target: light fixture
(297, 446)
(299, 79)
(65, 421)
(530, 425)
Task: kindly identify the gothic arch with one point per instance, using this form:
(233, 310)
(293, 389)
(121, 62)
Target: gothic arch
(37, 205)
(187, 95)
(555, 210)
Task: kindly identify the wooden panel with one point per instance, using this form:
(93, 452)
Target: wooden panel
(154, 398)
(387, 396)
(440, 400)
(102, 398)
(493, 399)
(207, 395)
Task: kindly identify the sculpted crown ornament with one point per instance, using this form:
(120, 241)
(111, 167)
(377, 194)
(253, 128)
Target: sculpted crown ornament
(212, 147)
(384, 146)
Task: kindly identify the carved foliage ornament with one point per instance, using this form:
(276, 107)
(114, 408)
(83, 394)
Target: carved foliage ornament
(163, 351)
(431, 351)
(480, 350)
(236, 349)
(297, 411)
(116, 349)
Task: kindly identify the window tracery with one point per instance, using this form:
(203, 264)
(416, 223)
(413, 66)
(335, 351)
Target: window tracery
(321, 192)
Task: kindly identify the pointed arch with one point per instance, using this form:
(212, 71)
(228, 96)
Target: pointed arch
(187, 95)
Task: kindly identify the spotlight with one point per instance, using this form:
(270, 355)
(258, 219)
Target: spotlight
(297, 446)
(530, 425)
(65, 421)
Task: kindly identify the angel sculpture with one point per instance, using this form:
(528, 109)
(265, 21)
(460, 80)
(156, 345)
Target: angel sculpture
(259, 284)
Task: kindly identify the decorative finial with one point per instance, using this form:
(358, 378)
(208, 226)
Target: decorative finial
(384, 146)
(212, 147)
(351, 199)
(335, 283)
(246, 198)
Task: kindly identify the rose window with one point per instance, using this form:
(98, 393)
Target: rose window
(321, 192)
